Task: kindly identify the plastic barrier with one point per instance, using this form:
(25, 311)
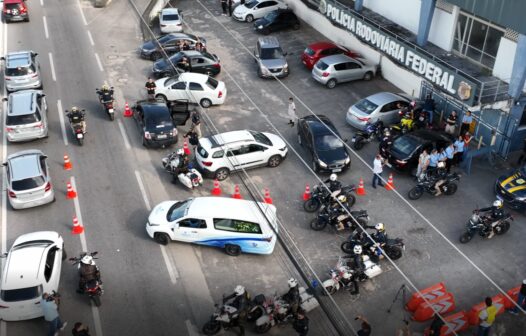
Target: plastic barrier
(443, 304)
(456, 323)
(473, 314)
(514, 294)
(430, 293)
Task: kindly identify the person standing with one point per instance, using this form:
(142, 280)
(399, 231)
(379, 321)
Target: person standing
(459, 150)
(50, 309)
(80, 329)
(365, 327)
(150, 88)
(467, 119)
(521, 299)
(433, 158)
(451, 123)
(224, 6)
(436, 326)
(450, 155)
(486, 318)
(429, 107)
(301, 324)
(378, 165)
(291, 112)
(423, 162)
(196, 123)
(230, 4)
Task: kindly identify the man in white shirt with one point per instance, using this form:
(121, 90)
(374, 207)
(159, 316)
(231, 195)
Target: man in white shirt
(378, 165)
(291, 112)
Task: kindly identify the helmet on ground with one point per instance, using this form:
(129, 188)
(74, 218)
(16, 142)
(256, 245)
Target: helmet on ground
(180, 151)
(74, 109)
(497, 203)
(105, 87)
(333, 177)
(441, 165)
(239, 290)
(357, 249)
(380, 227)
(88, 260)
(292, 282)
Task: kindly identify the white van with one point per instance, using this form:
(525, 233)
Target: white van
(233, 224)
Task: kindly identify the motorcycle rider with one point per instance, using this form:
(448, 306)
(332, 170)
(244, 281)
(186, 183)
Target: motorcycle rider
(77, 116)
(88, 271)
(182, 163)
(105, 94)
(379, 239)
(240, 302)
(357, 262)
(440, 175)
(333, 183)
(386, 143)
(292, 297)
(496, 213)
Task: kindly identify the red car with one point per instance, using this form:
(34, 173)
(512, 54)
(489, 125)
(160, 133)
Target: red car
(314, 52)
(15, 10)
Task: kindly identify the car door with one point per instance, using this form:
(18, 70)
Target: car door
(180, 112)
(265, 7)
(339, 72)
(138, 115)
(198, 64)
(178, 91)
(196, 92)
(389, 113)
(171, 46)
(52, 268)
(354, 70)
(42, 107)
(190, 230)
(247, 155)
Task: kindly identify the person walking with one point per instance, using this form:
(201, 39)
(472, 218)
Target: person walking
(301, 323)
(522, 158)
(450, 156)
(196, 123)
(80, 329)
(467, 119)
(291, 112)
(50, 309)
(429, 107)
(423, 162)
(486, 318)
(230, 4)
(451, 123)
(365, 327)
(521, 299)
(224, 6)
(459, 150)
(150, 88)
(378, 165)
(436, 325)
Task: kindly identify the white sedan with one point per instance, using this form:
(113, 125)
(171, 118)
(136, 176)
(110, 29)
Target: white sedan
(192, 87)
(255, 9)
(170, 21)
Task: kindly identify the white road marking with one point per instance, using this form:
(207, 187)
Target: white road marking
(42, 3)
(45, 27)
(3, 230)
(99, 62)
(62, 124)
(172, 271)
(82, 13)
(52, 67)
(90, 38)
(96, 319)
(191, 328)
(143, 191)
(123, 133)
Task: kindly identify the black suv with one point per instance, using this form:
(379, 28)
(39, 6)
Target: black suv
(200, 62)
(170, 43)
(277, 20)
(157, 121)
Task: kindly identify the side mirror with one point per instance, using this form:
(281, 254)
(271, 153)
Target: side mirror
(2, 58)
(4, 164)
(34, 54)
(4, 99)
(44, 156)
(94, 253)
(43, 95)
(4, 255)
(285, 54)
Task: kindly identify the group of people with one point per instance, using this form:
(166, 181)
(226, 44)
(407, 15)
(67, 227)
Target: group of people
(49, 304)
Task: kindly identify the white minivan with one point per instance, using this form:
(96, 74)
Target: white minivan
(233, 224)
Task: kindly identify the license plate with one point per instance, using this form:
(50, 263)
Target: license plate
(110, 110)
(80, 135)
(162, 136)
(337, 170)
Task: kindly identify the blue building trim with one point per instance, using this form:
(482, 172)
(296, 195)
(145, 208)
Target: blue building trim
(427, 9)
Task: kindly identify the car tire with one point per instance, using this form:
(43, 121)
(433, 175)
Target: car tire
(161, 96)
(274, 161)
(331, 84)
(232, 250)
(205, 103)
(299, 140)
(249, 18)
(296, 26)
(222, 173)
(314, 166)
(155, 56)
(144, 144)
(161, 238)
(368, 76)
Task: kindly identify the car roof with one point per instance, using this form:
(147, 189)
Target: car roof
(24, 266)
(268, 42)
(192, 76)
(222, 207)
(18, 59)
(382, 98)
(190, 53)
(24, 164)
(181, 36)
(321, 45)
(318, 127)
(170, 10)
(229, 137)
(21, 102)
(427, 135)
(338, 58)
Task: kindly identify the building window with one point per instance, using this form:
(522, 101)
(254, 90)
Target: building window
(477, 39)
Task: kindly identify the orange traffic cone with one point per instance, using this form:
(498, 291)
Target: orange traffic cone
(77, 228)
(267, 198)
(237, 194)
(71, 192)
(216, 191)
(306, 194)
(361, 188)
(67, 163)
(390, 184)
(185, 147)
(127, 111)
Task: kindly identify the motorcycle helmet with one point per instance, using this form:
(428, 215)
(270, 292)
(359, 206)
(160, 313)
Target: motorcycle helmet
(524, 282)
(441, 164)
(105, 87)
(497, 203)
(180, 151)
(387, 133)
(380, 227)
(88, 260)
(74, 109)
(357, 249)
(333, 177)
(292, 282)
(413, 103)
(342, 198)
(346, 275)
(239, 290)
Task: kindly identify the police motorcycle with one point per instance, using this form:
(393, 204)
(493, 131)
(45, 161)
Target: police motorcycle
(485, 226)
(342, 277)
(372, 131)
(393, 247)
(337, 217)
(89, 276)
(320, 195)
(226, 315)
(182, 171)
(106, 99)
(77, 123)
(426, 183)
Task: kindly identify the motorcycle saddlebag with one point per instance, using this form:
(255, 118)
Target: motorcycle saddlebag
(308, 301)
(259, 299)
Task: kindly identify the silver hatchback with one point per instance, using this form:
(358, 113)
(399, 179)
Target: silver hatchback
(26, 116)
(379, 106)
(21, 71)
(270, 58)
(332, 70)
(28, 180)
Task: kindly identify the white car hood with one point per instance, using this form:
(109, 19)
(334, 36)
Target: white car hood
(240, 10)
(158, 214)
(276, 140)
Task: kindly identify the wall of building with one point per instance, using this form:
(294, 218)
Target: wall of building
(504, 60)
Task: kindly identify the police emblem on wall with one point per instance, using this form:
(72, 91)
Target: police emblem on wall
(322, 7)
(464, 90)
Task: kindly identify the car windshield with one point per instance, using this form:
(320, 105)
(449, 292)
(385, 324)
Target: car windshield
(251, 4)
(13, 120)
(327, 142)
(178, 210)
(158, 120)
(405, 145)
(20, 71)
(271, 16)
(12, 5)
(27, 183)
(170, 17)
(212, 83)
(271, 53)
(32, 243)
(322, 65)
(170, 81)
(261, 138)
(21, 294)
(165, 38)
(309, 52)
(366, 106)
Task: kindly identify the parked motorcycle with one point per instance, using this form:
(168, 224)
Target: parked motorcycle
(405, 125)
(191, 179)
(371, 269)
(321, 195)
(426, 184)
(393, 247)
(338, 219)
(477, 224)
(92, 287)
(224, 317)
(77, 126)
(342, 277)
(371, 131)
(107, 102)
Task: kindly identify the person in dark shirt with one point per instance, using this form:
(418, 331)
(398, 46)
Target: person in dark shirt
(150, 88)
(301, 324)
(365, 327)
(521, 299)
(80, 329)
(436, 325)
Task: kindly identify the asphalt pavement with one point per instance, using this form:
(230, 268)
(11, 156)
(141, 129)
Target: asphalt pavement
(152, 290)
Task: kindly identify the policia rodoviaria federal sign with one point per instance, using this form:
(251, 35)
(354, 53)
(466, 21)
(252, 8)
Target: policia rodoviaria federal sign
(402, 53)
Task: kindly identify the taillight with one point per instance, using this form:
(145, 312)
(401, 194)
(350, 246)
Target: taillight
(48, 186)
(39, 125)
(163, 25)
(7, 78)
(363, 118)
(11, 193)
(325, 74)
(34, 75)
(3, 306)
(207, 164)
(147, 135)
(220, 94)
(23, 9)
(9, 129)
(217, 65)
